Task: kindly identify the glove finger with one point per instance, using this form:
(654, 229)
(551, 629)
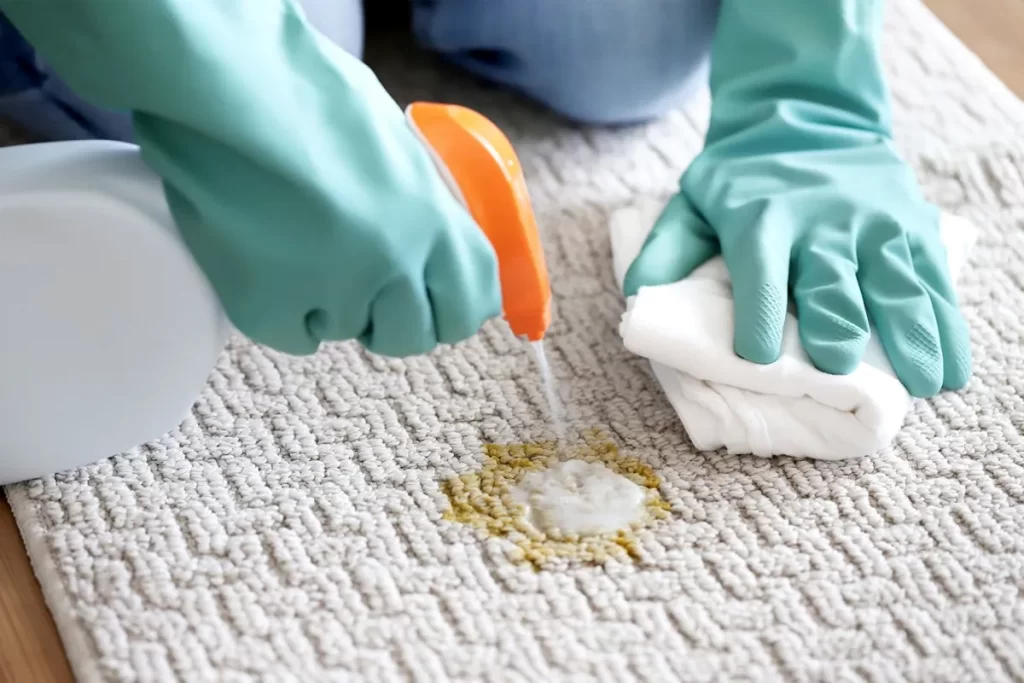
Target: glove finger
(931, 265)
(678, 243)
(758, 264)
(833, 322)
(902, 311)
(463, 283)
(401, 320)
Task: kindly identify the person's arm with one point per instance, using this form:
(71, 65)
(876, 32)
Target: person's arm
(801, 189)
(293, 176)
(780, 61)
(207, 66)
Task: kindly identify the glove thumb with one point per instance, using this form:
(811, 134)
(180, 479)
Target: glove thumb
(679, 242)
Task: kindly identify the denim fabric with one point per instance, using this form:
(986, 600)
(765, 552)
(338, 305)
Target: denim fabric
(34, 97)
(41, 103)
(594, 61)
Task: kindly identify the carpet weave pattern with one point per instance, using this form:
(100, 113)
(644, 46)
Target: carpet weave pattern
(297, 528)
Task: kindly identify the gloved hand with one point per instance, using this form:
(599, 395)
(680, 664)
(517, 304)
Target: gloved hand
(800, 189)
(293, 176)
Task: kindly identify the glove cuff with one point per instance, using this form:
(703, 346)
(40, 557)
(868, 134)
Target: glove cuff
(823, 57)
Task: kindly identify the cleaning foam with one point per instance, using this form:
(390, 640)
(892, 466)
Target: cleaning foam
(580, 498)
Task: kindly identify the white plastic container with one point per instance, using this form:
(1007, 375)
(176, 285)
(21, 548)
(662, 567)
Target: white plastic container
(108, 329)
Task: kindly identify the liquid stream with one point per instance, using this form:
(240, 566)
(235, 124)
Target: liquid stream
(555, 406)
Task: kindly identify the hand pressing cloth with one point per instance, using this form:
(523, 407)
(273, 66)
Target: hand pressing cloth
(786, 408)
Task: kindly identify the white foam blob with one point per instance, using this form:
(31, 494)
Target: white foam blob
(576, 497)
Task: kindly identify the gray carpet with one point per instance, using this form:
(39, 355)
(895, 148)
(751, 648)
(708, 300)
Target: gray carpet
(298, 527)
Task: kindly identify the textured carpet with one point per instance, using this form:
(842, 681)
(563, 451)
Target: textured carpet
(300, 526)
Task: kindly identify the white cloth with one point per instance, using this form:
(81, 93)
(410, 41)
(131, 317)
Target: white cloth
(787, 408)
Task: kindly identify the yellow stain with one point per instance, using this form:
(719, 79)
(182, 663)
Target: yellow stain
(482, 500)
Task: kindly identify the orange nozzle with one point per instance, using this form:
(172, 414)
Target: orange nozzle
(481, 168)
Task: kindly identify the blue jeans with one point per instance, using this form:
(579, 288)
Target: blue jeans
(592, 61)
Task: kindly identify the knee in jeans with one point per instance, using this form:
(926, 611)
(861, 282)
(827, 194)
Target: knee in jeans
(622, 98)
(595, 61)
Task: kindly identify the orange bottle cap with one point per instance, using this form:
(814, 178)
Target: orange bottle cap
(482, 170)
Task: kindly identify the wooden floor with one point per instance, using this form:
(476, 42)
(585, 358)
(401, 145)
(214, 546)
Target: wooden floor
(993, 29)
(30, 649)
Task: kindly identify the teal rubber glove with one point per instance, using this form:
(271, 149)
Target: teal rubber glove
(293, 176)
(800, 189)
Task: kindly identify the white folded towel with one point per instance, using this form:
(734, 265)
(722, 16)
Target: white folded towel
(787, 408)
